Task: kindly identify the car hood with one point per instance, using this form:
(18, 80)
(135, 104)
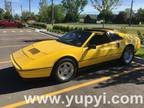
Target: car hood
(51, 46)
(30, 56)
(45, 47)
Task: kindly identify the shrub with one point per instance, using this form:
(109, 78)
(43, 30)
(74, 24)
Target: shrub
(38, 25)
(64, 29)
(141, 36)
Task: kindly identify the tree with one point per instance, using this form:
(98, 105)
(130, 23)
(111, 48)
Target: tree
(45, 13)
(140, 15)
(132, 17)
(7, 15)
(37, 17)
(16, 17)
(104, 6)
(8, 5)
(73, 8)
(101, 5)
(1, 13)
(27, 15)
(42, 3)
(127, 10)
(107, 15)
(122, 18)
(59, 13)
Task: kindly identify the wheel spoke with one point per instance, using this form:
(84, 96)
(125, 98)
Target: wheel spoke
(65, 70)
(66, 66)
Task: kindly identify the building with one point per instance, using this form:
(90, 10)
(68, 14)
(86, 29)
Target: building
(90, 19)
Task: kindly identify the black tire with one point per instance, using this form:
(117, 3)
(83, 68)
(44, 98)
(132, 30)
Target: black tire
(55, 72)
(130, 50)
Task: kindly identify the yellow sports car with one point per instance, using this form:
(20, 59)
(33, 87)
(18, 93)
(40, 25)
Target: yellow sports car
(61, 58)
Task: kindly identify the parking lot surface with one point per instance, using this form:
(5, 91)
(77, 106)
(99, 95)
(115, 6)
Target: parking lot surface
(107, 78)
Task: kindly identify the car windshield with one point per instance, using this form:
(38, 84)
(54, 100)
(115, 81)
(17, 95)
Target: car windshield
(75, 38)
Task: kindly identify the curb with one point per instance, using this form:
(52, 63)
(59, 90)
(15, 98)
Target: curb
(50, 33)
(46, 32)
(31, 28)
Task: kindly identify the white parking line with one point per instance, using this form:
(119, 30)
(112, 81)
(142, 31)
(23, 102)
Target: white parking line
(29, 31)
(5, 62)
(21, 38)
(11, 46)
(4, 31)
(13, 31)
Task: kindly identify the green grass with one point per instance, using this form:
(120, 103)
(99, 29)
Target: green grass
(122, 27)
(140, 53)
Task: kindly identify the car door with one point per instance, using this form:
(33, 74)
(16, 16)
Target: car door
(117, 42)
(105, 49)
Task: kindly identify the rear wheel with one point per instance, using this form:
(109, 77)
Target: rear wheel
(128, 55)
(64, 70)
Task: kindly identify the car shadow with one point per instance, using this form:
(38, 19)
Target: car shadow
(133, 73)
(10, 81)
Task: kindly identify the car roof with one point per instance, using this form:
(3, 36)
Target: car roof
(103, 30)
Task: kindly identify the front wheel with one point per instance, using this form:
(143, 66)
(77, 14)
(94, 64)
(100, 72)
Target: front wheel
(64, 70)
(128, 55)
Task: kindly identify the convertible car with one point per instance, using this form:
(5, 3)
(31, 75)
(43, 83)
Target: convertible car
(61, 58)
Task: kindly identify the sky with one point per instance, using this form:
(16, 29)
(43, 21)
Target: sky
(87, 10)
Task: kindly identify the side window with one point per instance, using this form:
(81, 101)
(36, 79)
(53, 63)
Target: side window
(99, 39)
(115, 37)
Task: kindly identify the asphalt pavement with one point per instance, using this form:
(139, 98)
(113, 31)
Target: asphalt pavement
(107, 78)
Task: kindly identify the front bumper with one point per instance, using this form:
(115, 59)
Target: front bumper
(31, 73)
(35, 73)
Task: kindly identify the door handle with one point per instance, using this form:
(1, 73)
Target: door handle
(118, 45)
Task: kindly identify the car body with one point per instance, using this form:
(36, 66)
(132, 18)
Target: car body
(94, 46)
(5, 23)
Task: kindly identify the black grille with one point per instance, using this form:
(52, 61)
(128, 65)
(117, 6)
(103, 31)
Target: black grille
(34, 51)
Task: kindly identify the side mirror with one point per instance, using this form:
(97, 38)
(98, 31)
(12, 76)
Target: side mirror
(92, 46)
